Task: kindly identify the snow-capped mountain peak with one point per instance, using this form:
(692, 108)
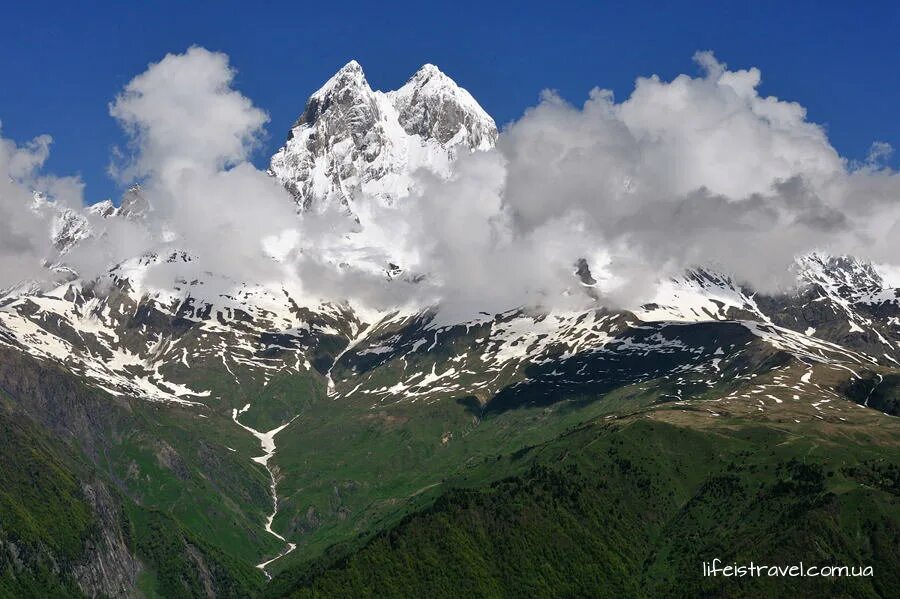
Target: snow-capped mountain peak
(350, 73)
(845, 275)
(352, 142)
(432, 105)
(347, 88)
(103, 209)
(67, 226)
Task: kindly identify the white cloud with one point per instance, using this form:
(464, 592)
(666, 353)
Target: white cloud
(191, 134)
(182, 113)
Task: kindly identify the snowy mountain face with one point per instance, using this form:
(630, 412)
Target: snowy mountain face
(124, 336)
(699, 333)
(68, 227)
(352, 141)
(432, 106)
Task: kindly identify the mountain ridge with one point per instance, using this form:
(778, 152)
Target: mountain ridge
(91, 316)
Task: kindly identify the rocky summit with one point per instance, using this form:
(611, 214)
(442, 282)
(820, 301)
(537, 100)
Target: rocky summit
(351, 140)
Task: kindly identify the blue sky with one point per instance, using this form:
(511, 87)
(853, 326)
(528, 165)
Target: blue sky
(62, 63)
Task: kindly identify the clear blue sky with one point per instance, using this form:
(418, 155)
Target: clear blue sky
(62, 63)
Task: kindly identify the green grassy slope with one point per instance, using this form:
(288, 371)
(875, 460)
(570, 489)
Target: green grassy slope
(44, 519)
(348, 469)
(179, 564)
(352, 467)
(188, 462)
(179, 463)
(632, 508)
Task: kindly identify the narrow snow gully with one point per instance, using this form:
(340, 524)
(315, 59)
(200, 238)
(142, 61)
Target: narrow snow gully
(267, 440)
(872, 390)
(358, 336)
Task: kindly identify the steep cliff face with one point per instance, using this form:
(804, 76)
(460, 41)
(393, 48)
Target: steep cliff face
(59, 403)
(63, 532)
(109, 568)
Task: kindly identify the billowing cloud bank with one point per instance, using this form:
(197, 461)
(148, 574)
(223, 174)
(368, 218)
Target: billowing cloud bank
(191, 135)
(696, 171)
(699, 171)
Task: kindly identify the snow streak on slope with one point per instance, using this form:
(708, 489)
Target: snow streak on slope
(267, 440)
